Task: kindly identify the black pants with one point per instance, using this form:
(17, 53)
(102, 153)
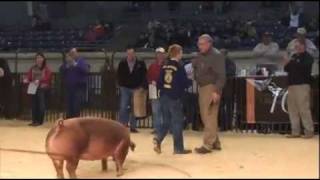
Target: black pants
(75, 98)
(38, 106)
(225, 116)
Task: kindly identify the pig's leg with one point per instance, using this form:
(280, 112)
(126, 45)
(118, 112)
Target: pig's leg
(120, 155)
(104, 163)
(72, 165)
(58, 165)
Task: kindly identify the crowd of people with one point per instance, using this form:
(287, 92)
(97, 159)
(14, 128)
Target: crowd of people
(229, 32)
(98, 31)
(170, 77)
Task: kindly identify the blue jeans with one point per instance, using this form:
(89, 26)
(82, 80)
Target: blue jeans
(38, 106)
(156, 114)
(172, 120)
(74, 100)
(125, 114)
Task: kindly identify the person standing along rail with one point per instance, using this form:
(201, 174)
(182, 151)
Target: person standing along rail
(40, 75)
(131, 76)
(299, 90)
(75, 73)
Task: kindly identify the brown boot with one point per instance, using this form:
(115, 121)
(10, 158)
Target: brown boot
(293, 136)
(216, 145)
(202, 150)
(157, 146)
(307, 136)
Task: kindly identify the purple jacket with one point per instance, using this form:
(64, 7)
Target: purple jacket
(75, 76)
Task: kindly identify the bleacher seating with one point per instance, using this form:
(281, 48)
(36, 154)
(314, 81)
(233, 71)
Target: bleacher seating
(53, 40)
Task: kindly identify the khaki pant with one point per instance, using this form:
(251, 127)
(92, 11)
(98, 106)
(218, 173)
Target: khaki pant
(140, 103)
(299, 108)
(209, 115)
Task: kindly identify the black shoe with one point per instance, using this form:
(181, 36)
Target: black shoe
(202, 150)
(185, 151)
(157, 146)
(37, 124)
(134, 130)
(32, 124)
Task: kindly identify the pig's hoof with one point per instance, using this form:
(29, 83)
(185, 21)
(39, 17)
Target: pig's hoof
(119, 174)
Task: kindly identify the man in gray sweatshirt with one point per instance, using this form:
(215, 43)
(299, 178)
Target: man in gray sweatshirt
(209, 73)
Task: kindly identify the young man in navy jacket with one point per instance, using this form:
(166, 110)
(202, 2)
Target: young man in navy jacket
(172, 84)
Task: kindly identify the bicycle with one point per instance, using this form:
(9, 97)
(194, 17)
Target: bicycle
(276, 91)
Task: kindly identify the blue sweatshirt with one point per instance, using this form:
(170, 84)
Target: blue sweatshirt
(75, 76)
(173, 80)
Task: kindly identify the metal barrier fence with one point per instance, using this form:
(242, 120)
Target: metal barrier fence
(102, 100)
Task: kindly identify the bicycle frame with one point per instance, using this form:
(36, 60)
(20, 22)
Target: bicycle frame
(276, 91)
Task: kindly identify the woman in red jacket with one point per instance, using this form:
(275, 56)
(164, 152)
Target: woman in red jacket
(40, 75)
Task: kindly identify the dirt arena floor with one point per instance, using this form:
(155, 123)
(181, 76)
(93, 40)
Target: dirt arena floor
(244, 155)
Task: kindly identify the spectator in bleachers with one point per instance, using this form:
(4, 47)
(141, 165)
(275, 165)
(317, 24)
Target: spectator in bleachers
(41, 76)
(74, 72)
(301, 36)
(131, 76)
(153, 76)
(90, 35)
(6, 89)
(99, 29)
(250, 30)
(295, 19)
(267, 50)
(36, 23)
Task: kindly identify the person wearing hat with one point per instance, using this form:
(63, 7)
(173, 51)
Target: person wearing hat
(301, 36)
(152, 77)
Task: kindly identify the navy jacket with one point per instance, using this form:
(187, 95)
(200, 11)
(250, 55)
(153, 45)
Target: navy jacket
(173, 80)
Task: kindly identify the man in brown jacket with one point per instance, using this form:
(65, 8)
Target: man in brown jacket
(209, 73)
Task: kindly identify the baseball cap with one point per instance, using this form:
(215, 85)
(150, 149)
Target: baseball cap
(160, 50)
(301, 31)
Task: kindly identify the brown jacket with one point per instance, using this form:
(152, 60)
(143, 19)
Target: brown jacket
(209, 68)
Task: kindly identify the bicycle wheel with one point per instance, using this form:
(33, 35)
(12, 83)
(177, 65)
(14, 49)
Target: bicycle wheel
(284, 105)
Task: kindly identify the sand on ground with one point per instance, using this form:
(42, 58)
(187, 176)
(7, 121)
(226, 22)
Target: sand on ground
(244, 155)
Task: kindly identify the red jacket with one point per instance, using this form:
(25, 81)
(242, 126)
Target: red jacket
(153, 72)
(45, 81)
